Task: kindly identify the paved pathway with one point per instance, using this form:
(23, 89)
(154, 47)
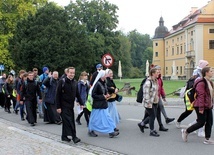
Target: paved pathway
(16, 139)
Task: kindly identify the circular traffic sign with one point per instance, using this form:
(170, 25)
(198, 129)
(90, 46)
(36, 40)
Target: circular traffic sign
(107, 60)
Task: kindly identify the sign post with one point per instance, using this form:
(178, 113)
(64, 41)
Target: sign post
(107, 60)
(1, 68)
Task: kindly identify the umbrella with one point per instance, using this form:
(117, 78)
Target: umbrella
(119, 70)
(147, 68)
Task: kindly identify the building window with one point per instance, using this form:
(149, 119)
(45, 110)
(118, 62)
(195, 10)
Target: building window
(156, 44)
(177, 70)
(177, 39)
(172, 41)
(156, 54)
(181, 50)
(177, 50)
(211, 44)
(180, 70)
(166, 70)
(181, 38)
(167, 52)
(191, 33)
(172, 50)
(211, 30)
(166, 42)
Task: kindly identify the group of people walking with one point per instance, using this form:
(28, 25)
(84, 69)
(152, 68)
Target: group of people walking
(54, 99)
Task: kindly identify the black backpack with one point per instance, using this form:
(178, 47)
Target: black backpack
(140, 91)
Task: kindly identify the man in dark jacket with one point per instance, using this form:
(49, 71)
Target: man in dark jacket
(66, 93)
(29, 92)
(94, 75)
(50, 114)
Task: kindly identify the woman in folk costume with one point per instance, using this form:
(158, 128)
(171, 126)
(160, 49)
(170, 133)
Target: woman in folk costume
(112, 107)
(100, 120)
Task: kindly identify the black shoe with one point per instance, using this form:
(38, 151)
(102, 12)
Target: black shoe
(76, 140)
(32, 124)
(116, 129)
(168, 120)
(78, 122)
(162, 128)
(22, 119)
(113, 134)
(146, 127)
(9, 111)
(59, 122)
(141, 127)
(154, 133)
(65, 138)
(16, 112)
(92, 134)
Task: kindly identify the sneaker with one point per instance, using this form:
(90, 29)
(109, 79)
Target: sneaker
(209, 142)
(154, 133)
(184, 135)
(178, 124)
(169, 120)
(201, 134)
(141, 127)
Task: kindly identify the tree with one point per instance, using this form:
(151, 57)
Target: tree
(11, 12)
(99, 19)
(141, 49)
(47, 39)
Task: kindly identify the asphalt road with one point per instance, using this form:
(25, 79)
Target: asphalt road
(130, 141)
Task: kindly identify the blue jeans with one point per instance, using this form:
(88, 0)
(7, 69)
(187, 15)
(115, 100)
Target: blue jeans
(21, 107)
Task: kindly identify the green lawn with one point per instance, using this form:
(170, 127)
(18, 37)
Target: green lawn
(169, 85)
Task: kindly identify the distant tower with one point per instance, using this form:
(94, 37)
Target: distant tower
(161, 30)
(158, 45)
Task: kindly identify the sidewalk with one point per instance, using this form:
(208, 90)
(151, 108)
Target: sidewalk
(15, 141)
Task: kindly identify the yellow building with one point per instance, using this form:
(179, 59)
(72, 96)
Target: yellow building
(179, 50)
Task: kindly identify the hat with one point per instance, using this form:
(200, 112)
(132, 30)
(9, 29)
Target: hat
(202, 63)
(157, 67)
(98, 66)
(45, 69)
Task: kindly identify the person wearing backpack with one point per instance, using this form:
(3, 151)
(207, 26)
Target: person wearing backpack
(50, 114)
(203, 106)
(9, 88)
(83, 88)
(150, 101)
(42, 77)
(2, 96)
(17, 89)
(66, 92)
(28, 97)
(196, 74)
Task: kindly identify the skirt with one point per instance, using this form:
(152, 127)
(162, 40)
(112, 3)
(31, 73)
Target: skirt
(101, 121)
(112, 109)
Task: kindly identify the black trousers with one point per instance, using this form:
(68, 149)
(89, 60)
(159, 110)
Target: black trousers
(86, 113)
(2, 99)
(158, 115)
(205, 118)
(185, 114)
(68, 122)
(151, 116)
(31, 111)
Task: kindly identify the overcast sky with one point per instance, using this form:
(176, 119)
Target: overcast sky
(144, 15)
